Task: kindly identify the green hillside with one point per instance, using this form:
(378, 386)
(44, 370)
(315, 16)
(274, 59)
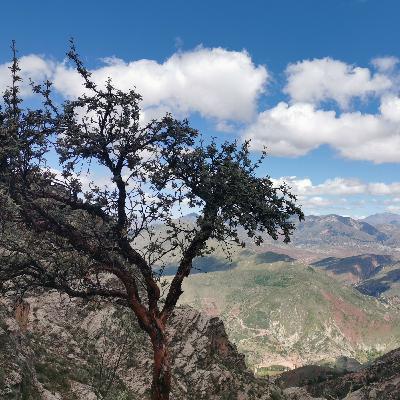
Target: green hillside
(286, 313)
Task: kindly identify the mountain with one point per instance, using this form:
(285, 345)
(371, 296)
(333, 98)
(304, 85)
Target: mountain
(334, 235)
(314, 238)
(218, 262)
(385, 283)
(337, 231)
(383, 219)
(354, 269)
(203, 265)
(62, 349)
(290, 314)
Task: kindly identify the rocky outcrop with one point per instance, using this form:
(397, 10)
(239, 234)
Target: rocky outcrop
(68, 349)
(379, 380)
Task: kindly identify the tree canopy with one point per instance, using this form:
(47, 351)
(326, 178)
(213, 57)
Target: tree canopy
(61, 229)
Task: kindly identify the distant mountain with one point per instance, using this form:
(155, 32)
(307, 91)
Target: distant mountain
(354, 269)
(383, 218)
(290, 314)
(331, 234)
(388, 224)
(337, 231)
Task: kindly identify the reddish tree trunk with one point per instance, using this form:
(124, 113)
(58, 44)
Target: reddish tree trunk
(161, 384)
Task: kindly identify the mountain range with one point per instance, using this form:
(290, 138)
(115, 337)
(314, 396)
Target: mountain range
(329, 299)
(327, 234)
(291, 314)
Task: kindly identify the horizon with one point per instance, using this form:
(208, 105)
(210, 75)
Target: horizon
(194, 214)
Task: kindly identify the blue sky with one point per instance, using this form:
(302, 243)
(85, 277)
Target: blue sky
(316, 81)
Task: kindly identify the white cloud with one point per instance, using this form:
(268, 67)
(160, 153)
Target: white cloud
(314, 81)
(216, 82)
(390, 108)
(338, 187)
(393, 209)
(384, 188)
(317, 202)
(342, 195)
(33, 67)
(385, 64)
(225, 86)
(224, 126)
(294, 130)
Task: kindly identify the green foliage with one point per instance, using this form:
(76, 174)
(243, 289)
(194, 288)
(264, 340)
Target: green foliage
(59, 233)
(52, 376)
(276, 280)
(108, 352)
(276, 395)
(81, 231)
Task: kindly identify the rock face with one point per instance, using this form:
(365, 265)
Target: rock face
(68, 350)
(17, 375)
(379, 380)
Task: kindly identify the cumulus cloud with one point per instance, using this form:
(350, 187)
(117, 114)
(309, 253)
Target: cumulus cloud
(297, 127)
(338, 187)
(32, 67)
(317, 202)
(390, 108)
(342, 195)
(225, 86)
(294, 130)
(385, 64)
(318, 80)
(217, 83)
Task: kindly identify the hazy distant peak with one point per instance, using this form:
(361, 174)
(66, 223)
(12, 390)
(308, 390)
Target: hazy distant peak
(383, 218)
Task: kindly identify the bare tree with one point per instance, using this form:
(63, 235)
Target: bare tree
(58, 232)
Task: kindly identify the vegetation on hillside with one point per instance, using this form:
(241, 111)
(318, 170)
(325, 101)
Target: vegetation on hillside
(292, 314)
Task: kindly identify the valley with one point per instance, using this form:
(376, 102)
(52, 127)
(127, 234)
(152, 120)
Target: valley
(291, 314)
(290, 305)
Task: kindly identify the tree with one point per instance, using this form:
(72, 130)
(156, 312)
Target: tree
(82, 239)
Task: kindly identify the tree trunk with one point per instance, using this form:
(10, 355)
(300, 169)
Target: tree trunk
(161, 384)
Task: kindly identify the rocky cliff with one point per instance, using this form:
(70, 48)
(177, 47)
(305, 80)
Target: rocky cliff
(62, 349)
(379, 380)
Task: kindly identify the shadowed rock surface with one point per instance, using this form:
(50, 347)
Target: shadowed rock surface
(380, 380)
